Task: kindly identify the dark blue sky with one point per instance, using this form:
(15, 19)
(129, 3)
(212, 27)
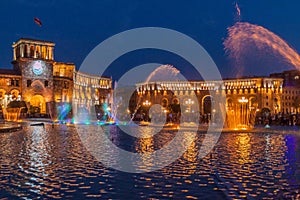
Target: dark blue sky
(77, 28)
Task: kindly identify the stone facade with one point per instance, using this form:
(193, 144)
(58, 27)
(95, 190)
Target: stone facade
(46, 86)
(291, 91)
(253, 95)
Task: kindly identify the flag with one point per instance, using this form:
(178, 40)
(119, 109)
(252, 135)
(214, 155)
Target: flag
(238, 10)
(38, 21)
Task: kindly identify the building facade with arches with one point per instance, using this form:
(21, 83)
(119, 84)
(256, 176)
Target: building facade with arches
(45, 84)
(249, 95)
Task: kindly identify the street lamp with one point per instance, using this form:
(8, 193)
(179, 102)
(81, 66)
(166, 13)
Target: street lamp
(147, 104)
(189, 103)
(243, 100)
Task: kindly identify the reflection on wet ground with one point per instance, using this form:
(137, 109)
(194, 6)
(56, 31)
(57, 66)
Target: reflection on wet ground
(51, 162)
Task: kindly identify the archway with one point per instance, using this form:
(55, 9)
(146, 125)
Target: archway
(15, 94)
(229, 104)
(164, 102)
(206, 104)
(38, 104)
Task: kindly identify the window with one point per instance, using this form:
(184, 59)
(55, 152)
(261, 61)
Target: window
(17, 83)
(61, 72)
(66, 85)
(28, 83)
(46, 83)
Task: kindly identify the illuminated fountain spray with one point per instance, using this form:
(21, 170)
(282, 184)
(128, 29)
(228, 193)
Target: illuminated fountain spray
(63, 111)
(162, 73)
(241, 115)
(243, 34)
(12, 114)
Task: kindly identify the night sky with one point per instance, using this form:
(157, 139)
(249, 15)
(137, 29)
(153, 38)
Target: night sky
(77, 28)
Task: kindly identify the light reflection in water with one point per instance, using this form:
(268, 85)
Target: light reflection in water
(191, 154)
(38, 157)
(52, 163)
(144, 146)
(244, 145)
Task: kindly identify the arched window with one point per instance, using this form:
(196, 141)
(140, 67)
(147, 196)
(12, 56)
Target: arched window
(28, 83)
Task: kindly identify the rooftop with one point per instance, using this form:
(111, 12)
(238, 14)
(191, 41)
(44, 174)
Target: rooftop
(30, 40)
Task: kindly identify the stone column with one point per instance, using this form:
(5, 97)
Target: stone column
(15, 57)
(28, 51)
(34, 53)
(22, 50)
(50, 53)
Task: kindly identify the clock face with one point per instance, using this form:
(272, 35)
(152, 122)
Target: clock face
(38, 67)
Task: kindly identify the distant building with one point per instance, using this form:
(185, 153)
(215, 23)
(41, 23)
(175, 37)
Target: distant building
(291, 91)
(244, 95)
(46, 85)
(90, 91)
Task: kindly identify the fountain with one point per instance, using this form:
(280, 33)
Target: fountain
(12, 111)
(242, 34)
(62, 111)
(162, 73)
(12, 114)
(241, 116)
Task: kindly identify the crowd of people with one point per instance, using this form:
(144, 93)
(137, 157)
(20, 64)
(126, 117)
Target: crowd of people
(287, 119)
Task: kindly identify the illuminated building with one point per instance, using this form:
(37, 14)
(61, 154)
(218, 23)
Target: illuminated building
(90, 90)
(291, 91)
(44, 84)
(258, 94)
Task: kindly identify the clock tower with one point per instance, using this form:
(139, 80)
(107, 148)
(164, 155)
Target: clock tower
(34, 59)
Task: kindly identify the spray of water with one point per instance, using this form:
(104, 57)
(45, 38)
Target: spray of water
(162, 73)
(238, 12)
(243, 34)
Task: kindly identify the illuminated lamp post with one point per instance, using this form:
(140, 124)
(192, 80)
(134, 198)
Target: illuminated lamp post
(189, 103)
(147, 104)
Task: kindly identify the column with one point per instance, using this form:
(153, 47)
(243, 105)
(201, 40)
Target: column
(22, 50)
(28, 50)
(15, 53)
(34, 53)
(50, 53)
(47, 53)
